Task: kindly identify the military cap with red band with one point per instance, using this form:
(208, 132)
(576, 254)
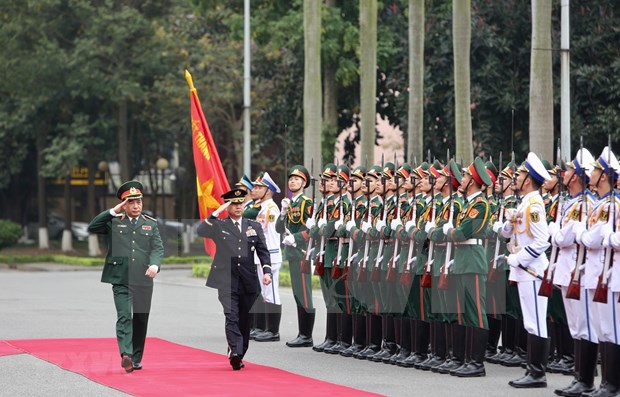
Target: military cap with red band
(131, 190)
(478, 172)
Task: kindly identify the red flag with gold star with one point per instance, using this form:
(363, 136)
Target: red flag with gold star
(211, 179)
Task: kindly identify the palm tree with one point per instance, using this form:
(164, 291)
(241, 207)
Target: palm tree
(368, 77)
(541, 81)
(461, 42)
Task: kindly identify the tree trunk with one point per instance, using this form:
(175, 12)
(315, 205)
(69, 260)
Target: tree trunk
(67, 238)
(44, 242)
(415, 133)
(93, 240)
(330, 105)
(368, 77)
(312, 81)
(541, 81)
(461, 42)
(123, 142)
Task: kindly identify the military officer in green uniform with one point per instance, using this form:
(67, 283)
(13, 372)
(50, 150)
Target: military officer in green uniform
(470, 269)
(135, 254)
(292, 223)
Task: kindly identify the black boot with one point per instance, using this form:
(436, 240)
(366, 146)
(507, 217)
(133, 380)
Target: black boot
(405, 342)
(420, 334)
(520, 349)
(345, 334)
(538, 356)
(331, 333)
(272, 333)
(587, 367)
(397, 323)
(439, 347)
(305, 322)
(388, 345)
(495, 329)
(478, 346)
(507, 349)
(260, 318)
(610, 361)
(568, 351)
(359, 336)
(457, 359)
(373, 335)
(577, 344)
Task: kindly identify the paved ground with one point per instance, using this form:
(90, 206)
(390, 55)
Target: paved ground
(72, 304)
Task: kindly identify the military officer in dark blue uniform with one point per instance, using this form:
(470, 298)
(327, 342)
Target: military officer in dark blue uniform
(233, 272)
(135, 253)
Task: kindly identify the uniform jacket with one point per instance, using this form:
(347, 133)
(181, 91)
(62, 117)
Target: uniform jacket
(131, 248)
(233, 264)
(530, 236)
(294, 221)
(269, 213)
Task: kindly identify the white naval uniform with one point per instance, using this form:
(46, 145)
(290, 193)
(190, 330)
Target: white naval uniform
(576, 310)
(603, 315)
(267, 217)
(614, 288)
(530, 239)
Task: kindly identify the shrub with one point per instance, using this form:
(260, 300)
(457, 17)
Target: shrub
(10, 232)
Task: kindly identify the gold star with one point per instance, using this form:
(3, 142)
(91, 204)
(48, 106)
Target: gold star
(205, 197)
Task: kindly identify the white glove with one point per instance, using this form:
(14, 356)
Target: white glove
(606, 232)
(380, 225)
(289, 240)
(510, 214)
(553, 228)
(366, 226)
(322, 222)
(310, 222)
(395, 224)
(429, 226)
(446, 227)
(578, 229)
(220, 209)
(284, 204)
(338, 224)
(512, 260)
(614, 241)
(498, 226)
(606, 243)
(350, 225)
(409, 225)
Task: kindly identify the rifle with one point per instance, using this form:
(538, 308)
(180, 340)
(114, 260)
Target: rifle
(347, 261)
(374, 276)
(443, 277)
(427, 278)
(393, 263)
(306, 266)
(405, 277)
(574, 288)
(546, 287)
(336, 270)
(491, 275)
(319, 268)
(361, 275)
(600, 294)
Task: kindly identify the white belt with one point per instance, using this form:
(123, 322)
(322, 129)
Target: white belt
(471, 241)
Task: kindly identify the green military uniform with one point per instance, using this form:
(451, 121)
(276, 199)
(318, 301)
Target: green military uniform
(133, 246)
(294, 222)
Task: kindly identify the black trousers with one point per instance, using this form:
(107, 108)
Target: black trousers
(237, 305)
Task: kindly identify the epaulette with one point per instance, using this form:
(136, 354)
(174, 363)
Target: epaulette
(145, 216)
(533, 201)
(479, 199)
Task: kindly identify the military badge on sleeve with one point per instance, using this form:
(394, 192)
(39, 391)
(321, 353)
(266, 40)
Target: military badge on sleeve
(535, 217)
(473, 213)
(604, 216)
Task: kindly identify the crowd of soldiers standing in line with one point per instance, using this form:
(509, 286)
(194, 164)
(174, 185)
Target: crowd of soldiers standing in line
(426, 266)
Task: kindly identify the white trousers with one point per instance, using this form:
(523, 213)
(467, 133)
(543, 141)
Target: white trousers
(606, 318)
(578, 316)
(534, 308)
(271, 292)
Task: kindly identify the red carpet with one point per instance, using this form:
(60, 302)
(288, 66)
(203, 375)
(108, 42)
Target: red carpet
(6, 349)
(173, 369)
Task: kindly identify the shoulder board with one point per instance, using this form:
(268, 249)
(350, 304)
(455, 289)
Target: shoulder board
(272, 204)
(252, 222)
(149, 217)
(533, 200)
(479, 199)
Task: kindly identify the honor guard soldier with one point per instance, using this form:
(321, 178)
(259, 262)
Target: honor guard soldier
(356, 247)
(233, 272)
(578, 204)
(267, 216)
(135, 254)
(292, 223)
(470, 269)
(592, 235)
(324, 211)
(610, 315)
(530, 239)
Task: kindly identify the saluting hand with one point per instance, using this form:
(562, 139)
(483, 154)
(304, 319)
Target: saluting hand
(119, 207)
(221, 209)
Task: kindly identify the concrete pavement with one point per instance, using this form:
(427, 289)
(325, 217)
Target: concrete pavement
(66, 304)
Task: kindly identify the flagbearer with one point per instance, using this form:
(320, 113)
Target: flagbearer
(292, 223)
(135, 254)
(530, 239)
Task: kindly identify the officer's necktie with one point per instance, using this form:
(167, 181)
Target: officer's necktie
(134, 221)
(237, 226)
